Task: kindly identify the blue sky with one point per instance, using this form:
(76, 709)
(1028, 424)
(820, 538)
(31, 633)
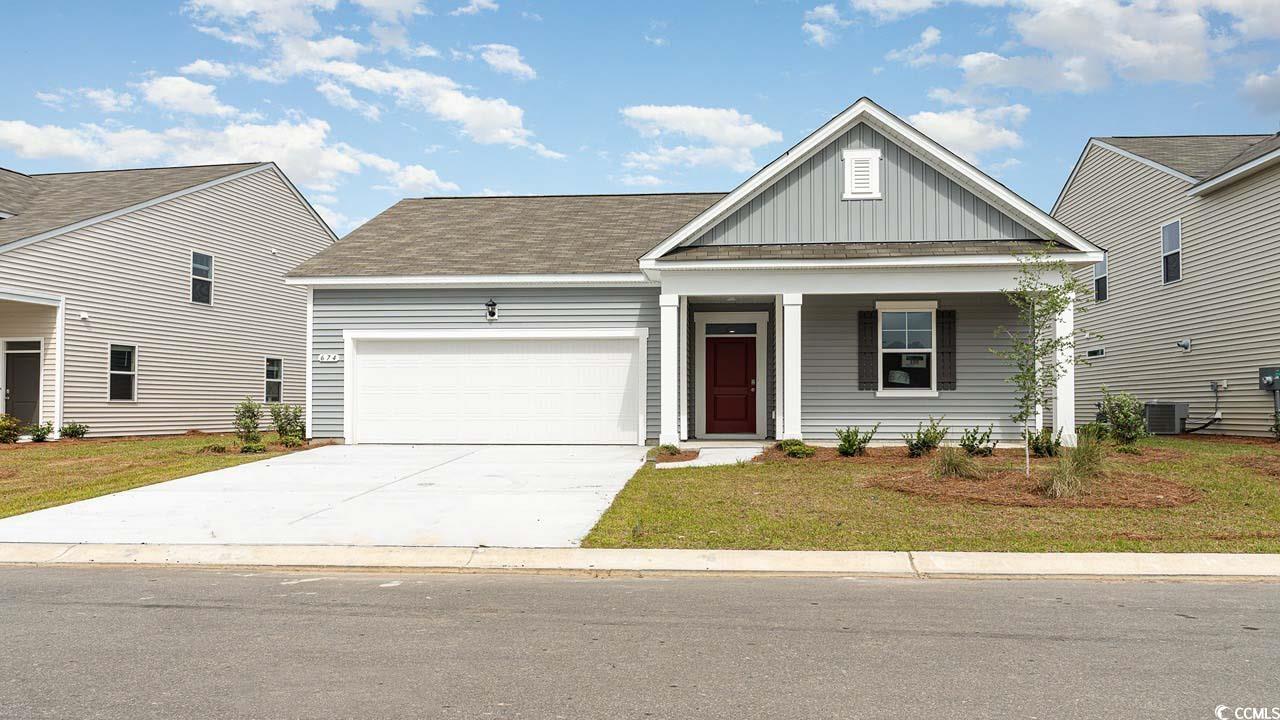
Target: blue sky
(363, 102)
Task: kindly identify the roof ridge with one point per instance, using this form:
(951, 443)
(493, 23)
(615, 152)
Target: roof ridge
(1191, 135)
(142, 169)
(561, 195)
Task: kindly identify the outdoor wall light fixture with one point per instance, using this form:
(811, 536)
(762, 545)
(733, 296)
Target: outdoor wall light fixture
(491, 309)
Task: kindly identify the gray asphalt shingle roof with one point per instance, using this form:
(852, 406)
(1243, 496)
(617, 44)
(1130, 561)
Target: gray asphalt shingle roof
(508, 235)
(1200, 156)
(41, 203)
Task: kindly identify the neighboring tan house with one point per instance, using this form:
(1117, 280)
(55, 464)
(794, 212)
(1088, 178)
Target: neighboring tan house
(1188, 298)
(854, 280)
(151, 301)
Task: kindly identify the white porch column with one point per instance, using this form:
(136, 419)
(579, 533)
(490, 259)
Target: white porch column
(683, 363)
(669, 430)
(791, 307)
(1064, 400)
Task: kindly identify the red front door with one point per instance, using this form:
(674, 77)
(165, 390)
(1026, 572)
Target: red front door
(731, 385)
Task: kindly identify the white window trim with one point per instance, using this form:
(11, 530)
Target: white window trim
(872, 154)
(1106, 272)
(265, 379)
(134, 373)
(212, 273)
(907, 306)
(700, 322)
(39, 352)
(1164, 254)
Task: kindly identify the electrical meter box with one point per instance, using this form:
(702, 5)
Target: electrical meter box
(1269, 379)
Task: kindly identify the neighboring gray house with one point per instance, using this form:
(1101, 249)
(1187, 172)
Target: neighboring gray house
(856, 279)
(151, 301)
(1188, 298)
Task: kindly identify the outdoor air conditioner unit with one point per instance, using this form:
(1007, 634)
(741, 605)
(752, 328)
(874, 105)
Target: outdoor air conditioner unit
(1166, 418)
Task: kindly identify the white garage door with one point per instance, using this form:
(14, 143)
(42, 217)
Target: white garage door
(485, 390)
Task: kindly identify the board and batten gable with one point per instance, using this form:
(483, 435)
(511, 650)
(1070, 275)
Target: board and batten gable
(127, 280)
(918, 203)
(335, 310)
(1227, 302)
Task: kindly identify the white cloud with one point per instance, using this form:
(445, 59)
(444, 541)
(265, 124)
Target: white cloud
(393, 10)
(108, 100)
(917, 53)
(475, 7)
(245, 19)
(641, 180)
(178, 94)
(655, 40)
(417, 180)
(208, 68)
(820, 24)
(963, 96)
(424, 50)
(338, 221)
(728, 136)
(970, 132)
(505, 59)
(55, 100)
(1263, 91)
(888, 10)
(339, 96)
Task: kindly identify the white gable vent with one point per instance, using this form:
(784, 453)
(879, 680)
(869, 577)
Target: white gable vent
(862, 174)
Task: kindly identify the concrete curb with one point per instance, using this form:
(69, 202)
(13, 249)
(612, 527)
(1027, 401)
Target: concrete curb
(763, 562)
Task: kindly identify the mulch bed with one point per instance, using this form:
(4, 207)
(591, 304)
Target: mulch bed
(1009, 487)
(677, 457)
(876, 456)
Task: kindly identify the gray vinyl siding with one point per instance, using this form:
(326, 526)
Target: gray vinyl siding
(1227, 302)
(771, 374)
(22, 320)
(127, 280)
(336, 310)
(919, 203)
(830, 398)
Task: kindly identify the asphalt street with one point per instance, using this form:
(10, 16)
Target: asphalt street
(192, 643)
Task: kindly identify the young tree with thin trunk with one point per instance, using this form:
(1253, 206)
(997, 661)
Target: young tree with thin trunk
(1045, 289)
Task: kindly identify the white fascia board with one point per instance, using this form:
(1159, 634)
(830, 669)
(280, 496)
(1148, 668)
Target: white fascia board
(865, 110)
(132, 208)
(499, 334)
(1145, 161)
(937, 261)
(1237, 174)
(410, 281)
(30, 297)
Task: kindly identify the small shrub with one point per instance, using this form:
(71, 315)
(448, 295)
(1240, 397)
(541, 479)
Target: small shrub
(1097, 430)
(290, 441)
(289, 421)
(249, 421)
(213, 448)
(977, 442)
(796, 448)
(41, 432)
(1077, 469)
(667, 450)
(955, 462)
(10, 429)
(253, 448)
(1123, 414)
(852, 441)
(925, 439)
(74, 431)
(1045, 443)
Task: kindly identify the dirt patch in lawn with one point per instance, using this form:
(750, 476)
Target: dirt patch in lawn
(1231, 439)
(1152, 455)
(1266, 463)
(1011, 488)
(676, 457)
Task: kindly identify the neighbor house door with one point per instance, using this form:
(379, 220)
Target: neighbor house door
(731, 385)
(22, 383)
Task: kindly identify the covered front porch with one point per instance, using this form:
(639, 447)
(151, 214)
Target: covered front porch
(775, 354)
(30, 338)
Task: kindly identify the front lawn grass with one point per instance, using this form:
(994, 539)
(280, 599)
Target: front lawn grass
(807, 505)
(34, 476)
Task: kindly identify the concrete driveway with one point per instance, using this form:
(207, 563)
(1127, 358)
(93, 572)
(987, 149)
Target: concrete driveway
(512, 496)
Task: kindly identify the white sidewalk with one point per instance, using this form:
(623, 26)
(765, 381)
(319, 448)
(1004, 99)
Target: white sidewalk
(762, 562)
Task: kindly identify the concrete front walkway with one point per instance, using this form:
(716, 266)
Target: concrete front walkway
(364, 495)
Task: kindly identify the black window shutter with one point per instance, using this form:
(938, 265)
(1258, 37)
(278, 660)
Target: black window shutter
(868, 376)
(946, 349)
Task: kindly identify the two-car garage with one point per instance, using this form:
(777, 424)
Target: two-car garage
(500, 386)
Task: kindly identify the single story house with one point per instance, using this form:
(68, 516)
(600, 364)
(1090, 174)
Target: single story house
(1186, 297)
(151, 301)
(854, 280)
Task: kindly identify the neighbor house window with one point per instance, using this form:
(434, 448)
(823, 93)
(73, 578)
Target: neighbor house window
(907, 332)
(861, 174)
(1171, 251)
(201, 278)
(1096, 353)
(123, 378)
(275, 380)
(1100, 280)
